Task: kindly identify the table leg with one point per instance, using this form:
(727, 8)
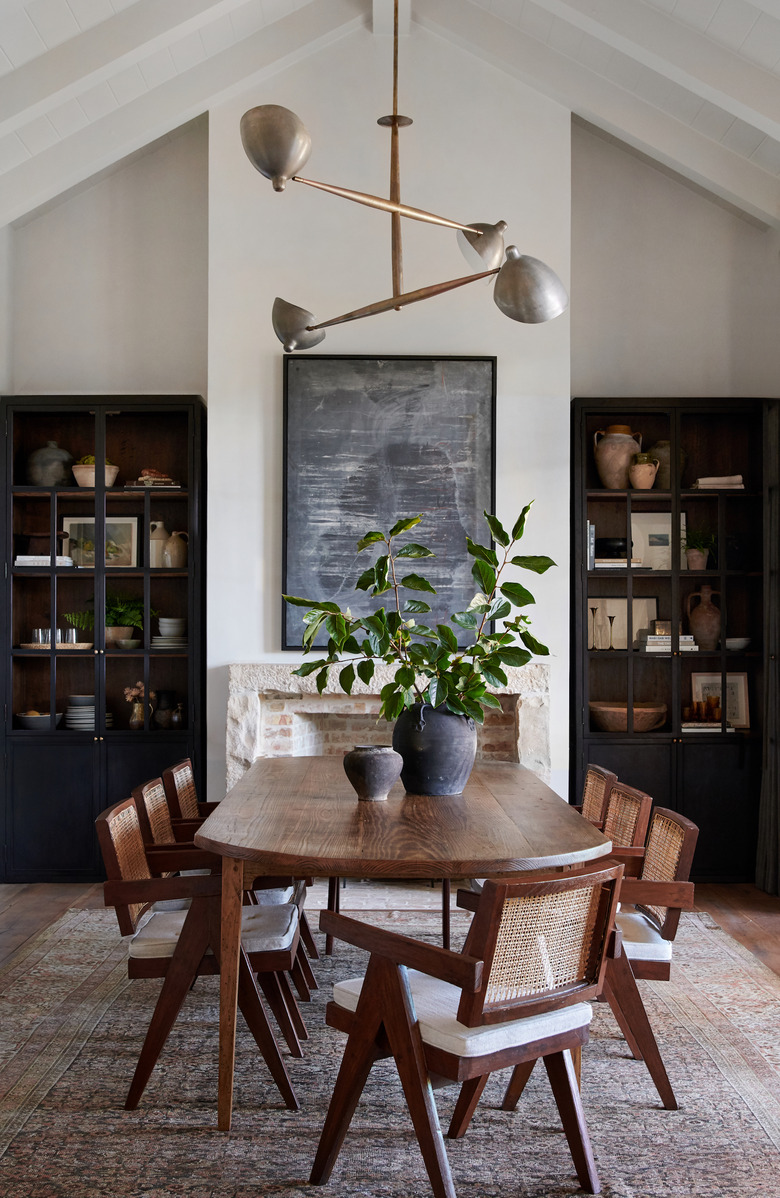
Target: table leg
(232, 890)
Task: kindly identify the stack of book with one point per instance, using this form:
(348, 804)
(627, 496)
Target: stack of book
(720, 482)
(39, 559)
(616, 563)
(651, 643)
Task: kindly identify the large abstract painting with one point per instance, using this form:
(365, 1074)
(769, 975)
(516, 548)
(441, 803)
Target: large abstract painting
(368, 441)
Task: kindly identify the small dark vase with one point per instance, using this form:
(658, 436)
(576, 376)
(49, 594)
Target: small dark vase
(372, 770)
(438, 747)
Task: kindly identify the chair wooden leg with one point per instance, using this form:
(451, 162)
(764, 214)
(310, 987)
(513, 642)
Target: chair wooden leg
(192, 943)
(622, 994)
(292, 1006)
(299, 980)
(334, 904)
(269, 984)
(257, 1022)
(306, 969)
(560, 1070)
(308, 938)
(446, 890)
(517, 1083)
(468, 1100)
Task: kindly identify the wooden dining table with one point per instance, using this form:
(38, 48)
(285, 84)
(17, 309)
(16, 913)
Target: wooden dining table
(299, 816)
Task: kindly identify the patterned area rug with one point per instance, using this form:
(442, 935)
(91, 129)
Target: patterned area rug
(71, 1027)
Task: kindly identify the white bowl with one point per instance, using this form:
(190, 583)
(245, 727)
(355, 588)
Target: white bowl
(737, 642)
(85, 474)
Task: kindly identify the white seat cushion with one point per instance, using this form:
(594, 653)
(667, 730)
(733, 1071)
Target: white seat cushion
(436, 1004)
(274, 894)
(263, 929)
(641, 939)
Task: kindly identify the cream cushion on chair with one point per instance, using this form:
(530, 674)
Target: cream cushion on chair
(641, 939)
(436, 1005)
(276, 894)
(263, 929)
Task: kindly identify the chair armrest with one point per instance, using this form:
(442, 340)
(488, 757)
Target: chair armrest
(467, 899)
(118, 892)
(167, 858)
(597, 823)
(658, 894)
(442, 963)
(205, 809)
(185, 829)
(631, 858)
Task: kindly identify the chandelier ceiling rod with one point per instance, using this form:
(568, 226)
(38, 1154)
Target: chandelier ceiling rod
(278, 146)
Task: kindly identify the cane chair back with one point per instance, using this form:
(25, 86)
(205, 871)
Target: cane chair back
(179, 783)
(627, 815)
(595, 792)
(153, 813)
(669, 851)
(124, 856)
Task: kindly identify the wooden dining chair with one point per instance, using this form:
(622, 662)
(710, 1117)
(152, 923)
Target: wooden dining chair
(649, 915)
(179, 946)
(534, 955)
(626, 816)
(595, 793)
(160, 832)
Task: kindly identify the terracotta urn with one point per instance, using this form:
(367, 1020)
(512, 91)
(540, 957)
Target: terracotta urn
(704, 618)
(642, 471)
(614, 454)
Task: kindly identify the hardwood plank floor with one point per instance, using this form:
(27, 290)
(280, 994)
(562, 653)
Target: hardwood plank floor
(746, 913)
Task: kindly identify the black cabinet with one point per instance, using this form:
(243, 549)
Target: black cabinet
(85, 551)
(672, 710)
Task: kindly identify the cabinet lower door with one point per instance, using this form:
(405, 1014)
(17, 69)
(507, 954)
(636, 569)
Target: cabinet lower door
(647, 766)
(719, 785)
(50, 818)
(131, 762)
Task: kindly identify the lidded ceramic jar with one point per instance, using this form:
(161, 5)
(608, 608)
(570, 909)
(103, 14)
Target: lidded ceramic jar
(614, 453)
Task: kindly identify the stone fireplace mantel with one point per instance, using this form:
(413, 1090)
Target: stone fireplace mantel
(272, 713)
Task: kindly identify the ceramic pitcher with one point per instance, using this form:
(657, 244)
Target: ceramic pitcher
(158, 535)
(642, 471)
(174, 552)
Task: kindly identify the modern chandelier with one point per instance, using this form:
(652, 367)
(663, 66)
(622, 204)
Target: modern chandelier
(278, 146)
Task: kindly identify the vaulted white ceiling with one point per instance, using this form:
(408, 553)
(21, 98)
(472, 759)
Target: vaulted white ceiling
(692, 84)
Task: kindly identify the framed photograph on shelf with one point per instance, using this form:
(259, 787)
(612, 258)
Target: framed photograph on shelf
(121, 540)
(705, 686)
(608, 620)
(368, 441)
(651, 537)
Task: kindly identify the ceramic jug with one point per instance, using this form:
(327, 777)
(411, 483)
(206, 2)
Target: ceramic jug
(614, 453)
(49, 465)
(662, 450)
(704, 619)
(174, 554)
(642, 471)
(158, 535)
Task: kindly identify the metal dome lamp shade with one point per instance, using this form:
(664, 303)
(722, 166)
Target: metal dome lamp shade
(278, 146)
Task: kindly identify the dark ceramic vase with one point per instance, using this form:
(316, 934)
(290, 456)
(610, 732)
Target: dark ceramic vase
(372, 770)
(438, 748)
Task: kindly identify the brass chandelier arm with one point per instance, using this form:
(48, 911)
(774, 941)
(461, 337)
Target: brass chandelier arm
(361, 197)
(402, 301)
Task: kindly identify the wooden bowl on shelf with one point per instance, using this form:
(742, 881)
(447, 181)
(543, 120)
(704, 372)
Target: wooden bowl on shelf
(607, 716)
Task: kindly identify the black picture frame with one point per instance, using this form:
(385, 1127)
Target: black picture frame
(368, 440)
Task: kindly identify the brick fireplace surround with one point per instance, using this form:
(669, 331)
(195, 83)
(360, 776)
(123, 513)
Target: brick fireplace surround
(271, 713)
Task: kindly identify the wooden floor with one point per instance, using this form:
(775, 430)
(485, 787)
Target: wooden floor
(746, 913)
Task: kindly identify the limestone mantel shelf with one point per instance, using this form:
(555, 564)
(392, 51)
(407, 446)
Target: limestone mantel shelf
(273, 713)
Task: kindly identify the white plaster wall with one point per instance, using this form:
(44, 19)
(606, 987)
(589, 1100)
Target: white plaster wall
(6, 252)
(482, 147)
(672, 293)
(109, 283)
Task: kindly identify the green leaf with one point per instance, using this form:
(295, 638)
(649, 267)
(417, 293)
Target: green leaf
(519, 527)
(490, 700)
(412, 549)
(313, 627)
(436, 692)
(415, 607)
(346, 678)
(484, 576)
(536, 563)
(482, 552)
(370, 538)
(404, 524)
(365, 671)
(474, 710)
(493, 674)
(309, 667)
(393, 705)
(336, 627)
(367, 580)
(405, 676)
(415, 582)
(296, 601)
(447, 637)
(381, 569)
(465, 619)
(517, 594)
(322, 680)
(350, 645)
(535, 646)
(498, 609)
(497, 530)
(514, 657)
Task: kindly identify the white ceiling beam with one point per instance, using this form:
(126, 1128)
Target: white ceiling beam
(711, 166)
(104, 142)
(681, 53)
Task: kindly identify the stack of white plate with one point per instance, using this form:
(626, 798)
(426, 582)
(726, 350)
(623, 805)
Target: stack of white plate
(80, 714)
(173, 633)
